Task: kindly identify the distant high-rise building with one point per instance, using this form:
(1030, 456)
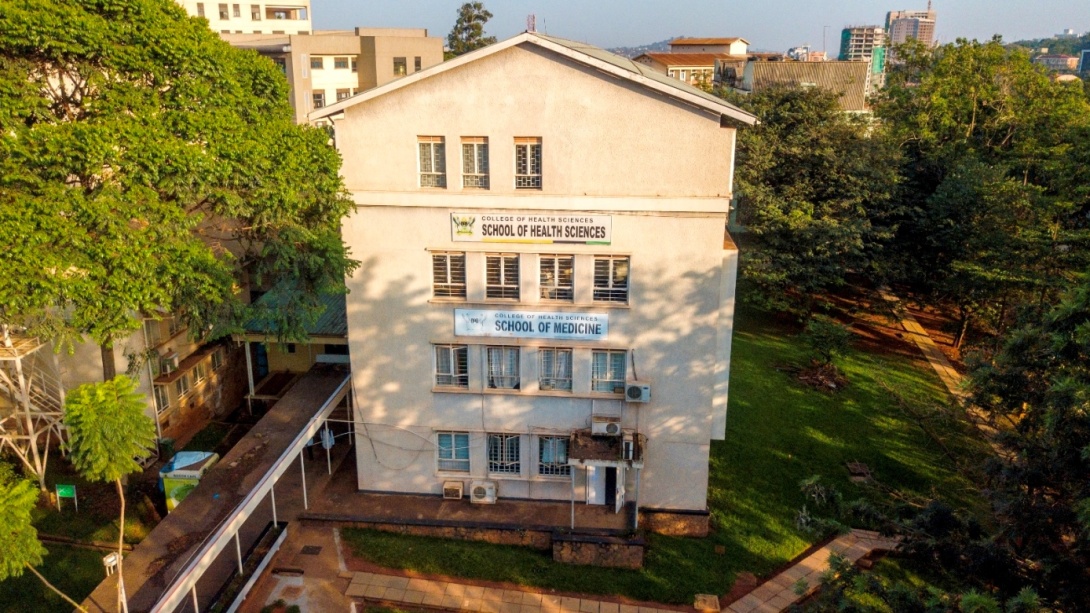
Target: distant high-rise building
(866, 44)
(911, 25)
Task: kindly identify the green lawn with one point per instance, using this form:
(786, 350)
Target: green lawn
(778, 433)
(74, 571)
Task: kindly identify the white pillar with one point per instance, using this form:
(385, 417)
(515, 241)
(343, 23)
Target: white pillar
(328, 463)
(573, 498)
(303, 471)
(250, 379)
(238, 552)
(196, 607)
(272, 492)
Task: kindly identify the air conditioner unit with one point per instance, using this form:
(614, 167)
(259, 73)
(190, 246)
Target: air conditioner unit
(483, 492)
(452, 490)
(169, 362)
(637, 392)
(605, 426)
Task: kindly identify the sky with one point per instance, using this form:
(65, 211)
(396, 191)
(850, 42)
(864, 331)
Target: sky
(769, 25)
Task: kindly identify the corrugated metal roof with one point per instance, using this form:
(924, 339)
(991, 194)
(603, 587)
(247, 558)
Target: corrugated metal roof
(707, 41)
(333, 321)
(691, 59)
(848, 79)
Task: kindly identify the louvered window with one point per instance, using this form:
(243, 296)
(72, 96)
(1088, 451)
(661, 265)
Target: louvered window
(611, 278)
(557, 272)
(449, 275)
(433, 164)
(502, 275)
(503, 368)
(451, 366)
(503, 454)
(475, 162)
(527, 163)
(555, 369)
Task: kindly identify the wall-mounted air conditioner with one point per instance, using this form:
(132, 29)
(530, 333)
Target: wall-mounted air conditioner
(168, 362)
(453, 490)
(483, 492)
(605, 426)
(637, 392)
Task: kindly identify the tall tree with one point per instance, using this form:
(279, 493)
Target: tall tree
(148, 167)
(468, 31)
(108, 432)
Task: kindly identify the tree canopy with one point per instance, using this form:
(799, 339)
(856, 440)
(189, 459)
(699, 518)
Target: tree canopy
(468, 31)
(148, 167)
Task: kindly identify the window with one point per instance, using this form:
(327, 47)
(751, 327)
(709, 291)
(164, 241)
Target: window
(318, 98)
(527, 163)
(355, 65)
(557, 272)
(416, 64)
(611, 278)
(255, 12)
(449, 275)
(162, 399)
(400, 67)
(503, 454)
(343, 94)
(181, 386)
(552, 456)
(607, 371)
(340, 62)
(200, 9)
(153, 332)
(217, 359)
(555, 369)
(317, 63)
(176, 325)
(453, 451)
(200, 371)
(503, 368)
(451, 366)
(279, 61)
(502, 275)
(433, 161)
(475, 161)
(223, 12)
(236, 10)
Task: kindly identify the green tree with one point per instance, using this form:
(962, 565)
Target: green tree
(20, 548)
(148, 167)
(814, 191)
(108, 433)
(468, 31)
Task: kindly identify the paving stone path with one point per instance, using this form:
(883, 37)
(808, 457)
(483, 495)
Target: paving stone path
(779, 593)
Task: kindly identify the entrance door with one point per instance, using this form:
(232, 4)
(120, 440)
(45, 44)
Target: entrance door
(611, 486)
(596, 485)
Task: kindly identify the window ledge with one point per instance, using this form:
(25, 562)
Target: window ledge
(581, 306)
(528, 393)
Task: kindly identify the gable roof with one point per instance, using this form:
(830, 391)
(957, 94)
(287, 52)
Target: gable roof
(689, 59)
(847, 79)
(600, 59)
(707, 41)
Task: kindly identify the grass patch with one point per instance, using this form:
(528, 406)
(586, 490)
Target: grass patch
(778, 433)
(76, 572)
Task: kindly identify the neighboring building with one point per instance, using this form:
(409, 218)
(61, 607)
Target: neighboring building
(256, 17)
(816, 56)
(902, 26)
(545, 304)
(1067, 33)
(730, 46)
(850, 80)
(697, 69)
(1057, 62)
(329, 66)
(1084, 62)
(866, 44)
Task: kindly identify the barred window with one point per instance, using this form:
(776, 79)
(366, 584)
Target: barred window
(340, 62)
(475, 162)
(555, 369)
(503, 454)
(452, 451)
(611, 278)
(317, 63)
(608, 371)
(557, 273)
(502, 275)
(527, 163)
(553, 456)
(433, 161)
(448, 272)
(503, 368)
(452, 365)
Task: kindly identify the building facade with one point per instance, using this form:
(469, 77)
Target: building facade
(545, 304)
(731, 46)
(902, 26)
(256, 17)
(1058, 62)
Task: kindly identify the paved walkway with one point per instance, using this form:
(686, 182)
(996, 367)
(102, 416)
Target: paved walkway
(778, 593)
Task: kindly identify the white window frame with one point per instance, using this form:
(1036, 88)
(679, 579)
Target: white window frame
(606, 378)
(607, 288)
(502, 276)
(217, 359)
(555, 371)
(502, 367)
(162, 399)
(528, 162)
(452, 464)
(455, 373)
(153, 332)
(317, 98)
(553, 269)
(448, 273)
(344, 93)
(200, 373)
(504, 454)
(431, 161)
(556, 448)
(183, 386)
(255, 12)
(475, 162)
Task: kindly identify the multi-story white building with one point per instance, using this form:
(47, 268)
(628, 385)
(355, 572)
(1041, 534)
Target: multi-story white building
(902, 26)
(254, 17)
(545, 304)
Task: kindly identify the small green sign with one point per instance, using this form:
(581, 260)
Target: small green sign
(66, 491)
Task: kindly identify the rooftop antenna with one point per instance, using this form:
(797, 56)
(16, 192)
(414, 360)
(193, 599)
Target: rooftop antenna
(531, 23)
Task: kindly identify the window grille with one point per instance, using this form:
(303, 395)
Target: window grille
(318, 98)
(453, 451)
(452, 365)
(475, 162)
(608, 371)
(502, 275)
(433, 164)
(340, 62)
(449, 275)
(611, 278)
(503, 368)
(317, 63)
(555, 369)
(553, 456)
(527, 163)
(557, 274)
(503, 454)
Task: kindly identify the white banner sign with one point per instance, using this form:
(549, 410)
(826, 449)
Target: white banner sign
(531, 324)
(531, 228)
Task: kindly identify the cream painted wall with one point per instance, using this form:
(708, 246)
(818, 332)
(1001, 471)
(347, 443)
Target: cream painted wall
(244, 22)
